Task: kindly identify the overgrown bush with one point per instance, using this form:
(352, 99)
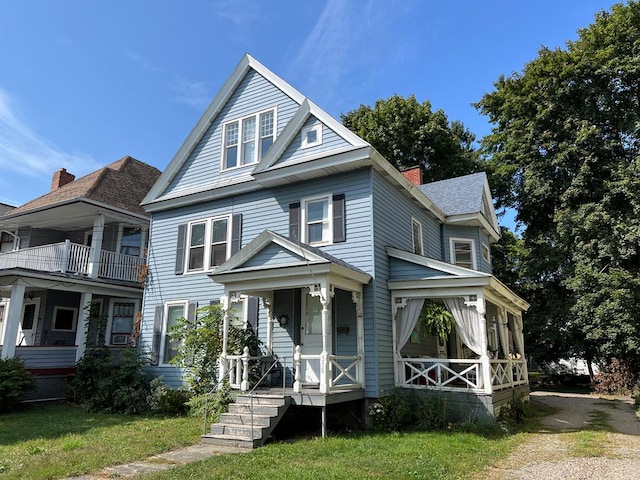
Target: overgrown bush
(165, 400)
(405, 411)
(102, 383)
(15, 383)
(215, 403)
(616, 378)
(514, 412)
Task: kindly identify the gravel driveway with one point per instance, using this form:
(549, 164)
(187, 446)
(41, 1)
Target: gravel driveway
(547, 454)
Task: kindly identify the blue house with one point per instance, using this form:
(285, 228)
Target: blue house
(301, 229)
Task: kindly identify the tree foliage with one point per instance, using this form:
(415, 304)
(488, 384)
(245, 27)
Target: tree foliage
(564, 152)
(408, 133)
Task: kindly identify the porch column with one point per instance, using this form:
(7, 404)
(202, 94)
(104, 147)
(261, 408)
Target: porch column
(267, 302)
(83, 324)
(96, 246)
(13, 321)
(485, 361)
(324, 356)
(357, 300)
(222, 364)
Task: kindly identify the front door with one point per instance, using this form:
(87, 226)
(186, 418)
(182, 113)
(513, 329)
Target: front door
(311, 338)
(29, 323)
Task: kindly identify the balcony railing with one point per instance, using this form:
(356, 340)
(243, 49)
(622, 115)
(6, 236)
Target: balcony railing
(68, 257)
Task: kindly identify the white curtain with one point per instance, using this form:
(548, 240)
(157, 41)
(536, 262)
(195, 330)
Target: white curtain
(504, 333)
(406, 319)
(470, 325)
(517, 334)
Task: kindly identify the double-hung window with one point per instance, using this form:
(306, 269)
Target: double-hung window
(173, 312)
(130, 240)
(248, 139)
(121, 324)
(317, 220)
(463, 253)
(209, 243)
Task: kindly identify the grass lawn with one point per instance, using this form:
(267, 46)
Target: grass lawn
(57, 440)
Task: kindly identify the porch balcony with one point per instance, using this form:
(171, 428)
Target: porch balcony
(461, 375)
(74, 258)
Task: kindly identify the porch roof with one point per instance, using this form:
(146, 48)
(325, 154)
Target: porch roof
(271, 262)
(414, 274)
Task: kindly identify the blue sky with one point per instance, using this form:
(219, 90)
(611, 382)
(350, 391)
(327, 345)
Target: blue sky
(83, 83)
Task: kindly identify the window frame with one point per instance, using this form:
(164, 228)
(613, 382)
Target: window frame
(208, 242)
(4, 235)
(304, 223)
(486, 253)
(317, 127)
(162, 361)
(472, 246)
(416, 223)
(74, 321)
(108, 331)
(258, 138)
(121, 230)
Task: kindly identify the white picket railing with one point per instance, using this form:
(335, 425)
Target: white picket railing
(68, 257)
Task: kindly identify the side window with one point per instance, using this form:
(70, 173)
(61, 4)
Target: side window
(486, 253)
(416, 234)
(173, 312)
(463, 253)
(209, 243)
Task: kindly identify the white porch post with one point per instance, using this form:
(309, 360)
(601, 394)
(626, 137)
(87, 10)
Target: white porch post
(13, 321)
(325, 301)
(96, 246)
(485, 362)
(83, 324)
(222, 364)
(357, 300)
(267, 302)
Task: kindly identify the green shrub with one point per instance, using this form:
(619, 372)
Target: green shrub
(103, 384)
(405, 411)
(165, 400)
(514, 412)
(214, 404)
(15, 382)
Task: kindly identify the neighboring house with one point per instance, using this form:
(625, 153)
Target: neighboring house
(302, 230)
(80, 245)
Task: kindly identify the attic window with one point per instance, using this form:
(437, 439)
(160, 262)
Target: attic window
(312, 135)
(247, 140)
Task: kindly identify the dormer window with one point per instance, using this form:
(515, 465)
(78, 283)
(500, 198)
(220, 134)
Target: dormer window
(312, 135)
(247, 140)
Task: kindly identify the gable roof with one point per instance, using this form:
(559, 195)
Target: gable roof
(465, 200)
(121, 184)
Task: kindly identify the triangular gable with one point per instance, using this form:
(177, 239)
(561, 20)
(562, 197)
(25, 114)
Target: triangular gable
(405, 265)
(215, 107)
(293, 130)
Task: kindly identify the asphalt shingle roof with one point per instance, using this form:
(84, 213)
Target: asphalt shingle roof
(456, 196)
(121, 184)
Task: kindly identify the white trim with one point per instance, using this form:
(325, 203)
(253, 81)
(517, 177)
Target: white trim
(317, 128)
(486, 249)
(74, 321)
(329, 219)
(34, 326)
(472, 246)
(121, 228)
(208, 233)
(416, 222)
(165, 320)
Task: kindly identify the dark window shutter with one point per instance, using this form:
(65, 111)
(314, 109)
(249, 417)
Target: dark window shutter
(157, 333)
(236, 233)
(192, 312)
(339, 219)
(294, 221)
(252, 314)
(180, 247)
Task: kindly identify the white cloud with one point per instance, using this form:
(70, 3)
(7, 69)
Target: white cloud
(24, 152)
(141, 61)
(192, 93)
(238, 12)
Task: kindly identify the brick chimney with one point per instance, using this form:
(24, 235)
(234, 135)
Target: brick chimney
(61, 178)
(414, 175)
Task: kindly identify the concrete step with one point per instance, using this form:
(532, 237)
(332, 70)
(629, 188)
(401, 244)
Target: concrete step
(261, 400)
(230, 441)
(238, 431)
(245, 409)
(245, 419)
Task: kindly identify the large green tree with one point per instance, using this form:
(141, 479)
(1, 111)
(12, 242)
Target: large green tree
(564, 152)
(409, 133)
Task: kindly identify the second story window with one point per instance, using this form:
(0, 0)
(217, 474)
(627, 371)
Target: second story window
(131, 241)
(317, 227)
(463, 253)
(248, 139)
(416, 234)
(6, 242)
(209, 243)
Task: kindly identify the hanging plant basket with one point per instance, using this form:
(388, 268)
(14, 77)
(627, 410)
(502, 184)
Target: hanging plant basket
(436, 320)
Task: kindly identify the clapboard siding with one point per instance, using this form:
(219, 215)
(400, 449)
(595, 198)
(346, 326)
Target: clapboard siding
(272, 255)
(47, 357)
(253, 95)
(330, 141)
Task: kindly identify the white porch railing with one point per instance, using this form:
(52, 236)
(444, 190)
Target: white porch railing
(343, 372)
(460, 374)
(68, 257)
